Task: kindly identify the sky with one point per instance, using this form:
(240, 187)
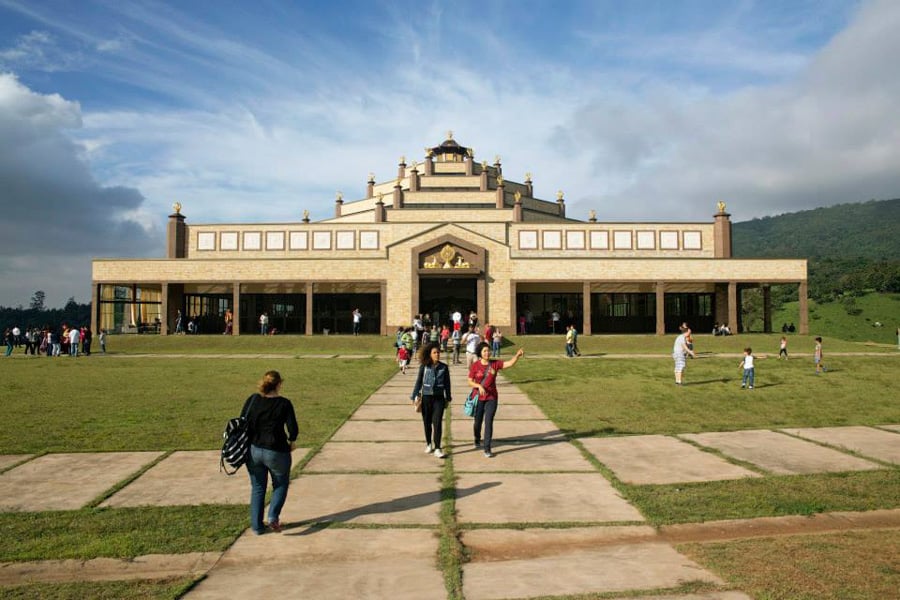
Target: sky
(113, 110)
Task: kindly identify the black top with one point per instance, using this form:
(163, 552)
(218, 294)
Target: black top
(267, 419)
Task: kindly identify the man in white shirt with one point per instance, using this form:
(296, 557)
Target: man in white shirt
(471, 340)
(74, 338)
(679, 350)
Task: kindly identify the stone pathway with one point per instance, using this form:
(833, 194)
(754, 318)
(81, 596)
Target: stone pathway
(364, 515)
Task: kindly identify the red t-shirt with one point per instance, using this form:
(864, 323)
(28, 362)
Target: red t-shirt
(476, 374)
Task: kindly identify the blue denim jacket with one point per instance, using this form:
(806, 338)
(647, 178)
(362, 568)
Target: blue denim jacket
(433, 381)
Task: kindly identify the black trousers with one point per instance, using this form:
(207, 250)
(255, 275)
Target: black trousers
(433, 419)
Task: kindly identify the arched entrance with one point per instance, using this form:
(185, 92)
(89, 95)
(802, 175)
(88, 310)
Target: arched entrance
(449, 277)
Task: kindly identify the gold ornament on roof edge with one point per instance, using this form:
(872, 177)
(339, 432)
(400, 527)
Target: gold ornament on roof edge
(449, 134)
(518, 196)
(484, 165)
(592, 215)
(380, 196)
(403, 160)
(559, 194)
(528, 177)
(444, 259)
(497, 159)
(721, 206)
(499, 179)
(339, 196)
(470, 152)
(372, 177)
(414, 165)
(177, 208)
(306, 215)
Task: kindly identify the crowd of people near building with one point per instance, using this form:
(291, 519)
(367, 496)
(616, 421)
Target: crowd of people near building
(48, 341)
(454, 338)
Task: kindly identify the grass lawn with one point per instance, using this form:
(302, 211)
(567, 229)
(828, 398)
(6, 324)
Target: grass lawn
(168, 393)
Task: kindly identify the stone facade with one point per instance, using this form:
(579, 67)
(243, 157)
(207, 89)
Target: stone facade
(448, 223)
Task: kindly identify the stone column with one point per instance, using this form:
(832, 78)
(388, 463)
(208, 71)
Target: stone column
(529, 187)
(733, 306)
(414, 179)
(517, 208)
(468, 160)
(236, 308)
(383, 291)
(370, 186)
(309, 308)
(722, 234)
(586, 307)
(767, 308)
(660, 308)
(560, 203)
(164, 309)
(429, 164)
(803, 295)
(176, 235)
(501, 193)
(483, 180)
(95, 309)
(398, 194)
(338, 205)
(401, 168)
(380, 215)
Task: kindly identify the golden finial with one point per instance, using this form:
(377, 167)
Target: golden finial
(305, 215)
(414, 165)
(380, 197)
(518, 196)
(339, 196)
(484, 165)
(470, 152)
(399, 182)
(403, 160)
(429, 152)
(177, 208)
(499, 179)
(372, 177)
(449, 134)
(528, 177)
(559, 195)
(592, 215)
(721, 206)
(497, 159)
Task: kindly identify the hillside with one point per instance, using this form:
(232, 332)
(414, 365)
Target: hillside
(866, 230)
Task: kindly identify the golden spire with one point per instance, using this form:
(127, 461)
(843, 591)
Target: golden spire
(372, 177)
(449, 134)
(721, 206)
(380, 196)
(177, 208)
(518, 196)
(528, 177)
(559, 195)
(339, 196)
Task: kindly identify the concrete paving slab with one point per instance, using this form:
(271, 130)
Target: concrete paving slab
(379, 398)
(891, 427)
(547, 562)
(8, 460)
(868, 441)
(358, 457)
(387, 412)
(329, 564)
(520, 457)
(536, 430)
(660, 459)
(380, 431)
(779, 453)
(387, 499)
(517, 412)
(543, 498)
(726, 595)
(186, 478)
(67, 481)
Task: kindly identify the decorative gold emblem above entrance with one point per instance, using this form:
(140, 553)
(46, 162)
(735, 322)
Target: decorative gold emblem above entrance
(445, 259)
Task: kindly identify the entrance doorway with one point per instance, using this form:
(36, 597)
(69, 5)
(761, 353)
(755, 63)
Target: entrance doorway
(443, 295)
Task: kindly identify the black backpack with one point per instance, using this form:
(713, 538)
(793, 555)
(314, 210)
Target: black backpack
(236, 448)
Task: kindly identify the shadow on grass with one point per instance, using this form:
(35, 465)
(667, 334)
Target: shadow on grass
(404, 503)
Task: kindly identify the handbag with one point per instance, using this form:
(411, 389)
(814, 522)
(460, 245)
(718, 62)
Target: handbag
(472, 398)
(417, 403)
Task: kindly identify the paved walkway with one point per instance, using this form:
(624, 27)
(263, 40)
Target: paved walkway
(364, 516)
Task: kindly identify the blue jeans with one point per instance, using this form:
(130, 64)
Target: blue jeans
(261, 462)
(748, 378)
(485, 411)
(495, 348)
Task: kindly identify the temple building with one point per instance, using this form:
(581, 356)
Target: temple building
(446, 234)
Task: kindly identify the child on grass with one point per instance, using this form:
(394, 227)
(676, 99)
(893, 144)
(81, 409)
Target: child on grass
(782, 350)
(817, 356)
(747, 365)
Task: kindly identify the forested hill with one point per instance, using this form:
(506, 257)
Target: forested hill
(852, 249)
(867, 230)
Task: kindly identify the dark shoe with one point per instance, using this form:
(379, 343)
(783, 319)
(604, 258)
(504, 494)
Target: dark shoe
(275, 526)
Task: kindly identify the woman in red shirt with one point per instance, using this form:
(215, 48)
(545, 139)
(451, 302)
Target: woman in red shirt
(483, 377)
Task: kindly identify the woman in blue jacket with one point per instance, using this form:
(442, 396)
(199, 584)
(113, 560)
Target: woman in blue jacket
(433, 380)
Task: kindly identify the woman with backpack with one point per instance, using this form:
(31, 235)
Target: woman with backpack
(272, 427)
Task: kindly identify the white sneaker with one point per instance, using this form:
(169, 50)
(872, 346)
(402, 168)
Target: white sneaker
(428, 448)
(438, 453)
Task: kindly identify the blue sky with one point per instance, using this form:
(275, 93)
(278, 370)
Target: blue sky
(255, 111)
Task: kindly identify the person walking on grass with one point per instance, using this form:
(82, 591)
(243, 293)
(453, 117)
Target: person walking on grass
(483, 377)
(273, 430)
(680, 350)
(433, 380)
(782, 349)
(747, 365)
(817, 356)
